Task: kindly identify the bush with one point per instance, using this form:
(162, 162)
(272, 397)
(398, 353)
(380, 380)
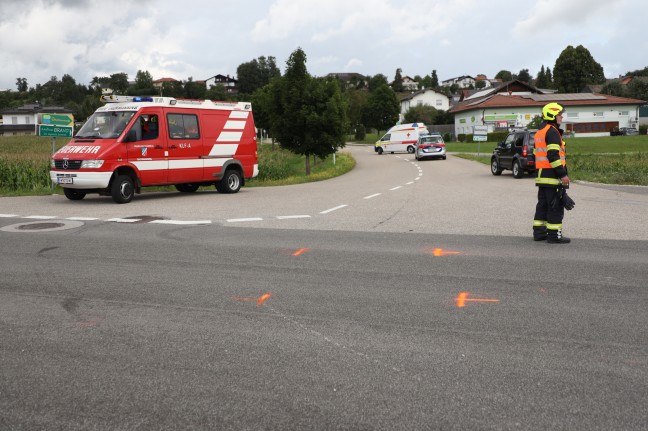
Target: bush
(447, 137)
(360, 132)
(461, 137)
(643, 129)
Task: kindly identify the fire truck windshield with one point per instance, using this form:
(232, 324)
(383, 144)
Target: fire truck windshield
(105, 125)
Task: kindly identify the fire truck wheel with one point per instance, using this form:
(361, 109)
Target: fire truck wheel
(122, 189)
(187, 188)
(74, 194)
(231, 182)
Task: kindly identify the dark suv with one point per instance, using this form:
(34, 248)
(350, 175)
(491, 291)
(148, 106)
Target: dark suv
(515, 153)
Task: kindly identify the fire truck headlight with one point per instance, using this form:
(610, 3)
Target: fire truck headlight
(91, 164)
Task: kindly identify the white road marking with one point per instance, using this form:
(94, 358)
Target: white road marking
(395, 188)
(81, 218)
(292, 217)
(124, 220)
(236, 220)
(372, 196)
(181, 222)
(333, 209)
(8, 215)
(40, 217)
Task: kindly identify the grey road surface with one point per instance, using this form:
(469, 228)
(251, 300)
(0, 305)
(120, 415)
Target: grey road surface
(403, 295)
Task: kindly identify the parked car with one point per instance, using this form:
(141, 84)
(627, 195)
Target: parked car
(430, 147)
(624, 131)
(515, 153)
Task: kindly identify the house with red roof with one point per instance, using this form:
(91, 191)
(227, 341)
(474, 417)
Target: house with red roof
(515, 103)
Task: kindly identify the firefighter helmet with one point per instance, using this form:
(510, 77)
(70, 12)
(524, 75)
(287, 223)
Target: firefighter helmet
(551, 110)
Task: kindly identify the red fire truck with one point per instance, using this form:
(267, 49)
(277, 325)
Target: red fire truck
(134, 142)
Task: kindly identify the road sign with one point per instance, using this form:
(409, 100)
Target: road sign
(482, 138)
(55, 131)
(480, 130)
(57, 119)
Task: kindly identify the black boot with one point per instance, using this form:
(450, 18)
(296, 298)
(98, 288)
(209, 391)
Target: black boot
(539, 233)
(555, 237)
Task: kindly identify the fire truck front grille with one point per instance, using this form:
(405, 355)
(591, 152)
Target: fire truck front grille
(67, 164)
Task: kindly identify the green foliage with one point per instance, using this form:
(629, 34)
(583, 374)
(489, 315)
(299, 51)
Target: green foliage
(425, 114)
(397, 85)
(382, 109)
(575, 68)
(308, 115)
(504, 75)
(256, 74)
(360, 132)
(535, 122)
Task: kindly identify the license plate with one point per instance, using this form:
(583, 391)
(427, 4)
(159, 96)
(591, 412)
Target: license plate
(65, 180)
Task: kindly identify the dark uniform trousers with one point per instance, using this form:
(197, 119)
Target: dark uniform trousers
(548, 218)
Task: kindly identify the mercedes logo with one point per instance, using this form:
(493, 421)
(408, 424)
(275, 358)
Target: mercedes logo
(65, 164)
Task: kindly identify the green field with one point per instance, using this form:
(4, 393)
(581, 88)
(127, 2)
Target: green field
(24, 166)
(24, 162)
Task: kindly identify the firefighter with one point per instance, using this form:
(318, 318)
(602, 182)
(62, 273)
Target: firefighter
(551, 176)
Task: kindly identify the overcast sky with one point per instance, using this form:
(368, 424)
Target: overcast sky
(202, 38)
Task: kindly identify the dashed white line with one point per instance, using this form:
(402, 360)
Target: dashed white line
(292, 217)
(8, 215)
(372, 196)
(237, 220)
(181, 222)
(123, 220)
(333, 209)
(81, 218)
(411, 182)
(395, 188)
(40, 217)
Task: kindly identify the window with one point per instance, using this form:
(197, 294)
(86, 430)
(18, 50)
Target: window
(439, 102)
(598, 114)
(624, 113)
(183, 126)
(572, 114)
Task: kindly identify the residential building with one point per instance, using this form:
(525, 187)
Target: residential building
(224, 80)
(23, 120)
(461, 81)
(515, 104)
(425, 97)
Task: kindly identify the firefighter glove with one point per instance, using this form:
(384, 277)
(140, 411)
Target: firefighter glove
(567, 202)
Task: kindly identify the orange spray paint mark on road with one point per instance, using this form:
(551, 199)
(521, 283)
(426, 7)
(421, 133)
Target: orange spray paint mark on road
(439, 252)
(462, 298)
(300, 251)
(260, 300)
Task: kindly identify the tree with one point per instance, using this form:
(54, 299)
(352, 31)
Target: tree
(524, 76)
(575, 68)
(397, 85)
(504, 75)
(118, 83)
(435, 79)
(541, 78)
(21, 84)
(193, 90)
(143, 84)
(377, 81)
(256, 74)
(425, 114)
(382, 109)
(309, 115)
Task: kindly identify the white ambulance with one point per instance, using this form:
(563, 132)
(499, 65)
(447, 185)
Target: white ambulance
(134, 142)
(401, 138)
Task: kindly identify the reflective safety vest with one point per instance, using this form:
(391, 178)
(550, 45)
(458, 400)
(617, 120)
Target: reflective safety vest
(546, 174)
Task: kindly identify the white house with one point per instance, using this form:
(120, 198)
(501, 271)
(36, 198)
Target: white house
(425, 97)
(461, 81)
(515, 104)
(23, 120)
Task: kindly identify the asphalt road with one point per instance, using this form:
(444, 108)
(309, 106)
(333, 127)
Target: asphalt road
(403, 295)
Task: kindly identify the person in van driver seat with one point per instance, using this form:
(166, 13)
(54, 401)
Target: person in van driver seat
(551, 178)
(150, 128)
